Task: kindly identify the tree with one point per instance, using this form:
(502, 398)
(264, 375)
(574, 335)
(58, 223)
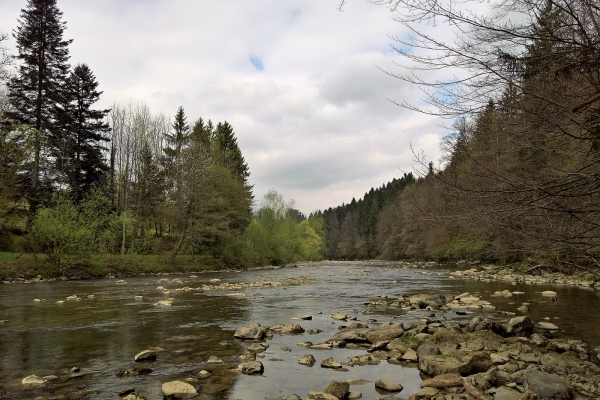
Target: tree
(228, 152)
(34, 90)
(178, 140)
(78, 136)
(4, 59)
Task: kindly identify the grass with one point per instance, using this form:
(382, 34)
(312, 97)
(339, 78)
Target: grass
(28, 265)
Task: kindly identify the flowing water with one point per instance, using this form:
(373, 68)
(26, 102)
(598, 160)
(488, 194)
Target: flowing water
(103, 333)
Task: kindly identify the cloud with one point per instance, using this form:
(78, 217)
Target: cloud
(301, 83)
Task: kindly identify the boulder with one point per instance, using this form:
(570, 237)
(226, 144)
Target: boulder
(354, 336)
(568, 364)
(548, 293)
(338, 389)
(520, 326)
(435, 301)
(388, 385)
(427, 350)
(354, 396)
(146, 355)
(385, 332)
(320, 396)
(506, 393)
(480, 323)
(358, 325)
(410, 355)
(330, 363)
(214, 360)
(307, 360)
(255, 348)
(289, 329)
(547, 386)
(458, 362)
(314, 331)
(178, 390)
(254, 331)
(33, 380)
(204, 374)
(547, 326)
(340, 316)
(253, 368)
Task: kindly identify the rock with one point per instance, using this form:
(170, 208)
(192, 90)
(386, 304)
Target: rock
(358, 325)
(524, 309)
(464, 363)
(547, 386)
(255, 348)
(549, 293)
(385, 332)
(290, 397)
(254, 331)
(33, 380)
(410, 355)
(568, 364)
(427, 350)
(178, 390)
(519, 326)
(248, 357)
(338, 389)
(355, 381)
(435, 301)
(307, 360)
(204, 374)
(354, 395)
(388, 385)
(314, 331)
(121, 372)
(330, 363)
(145, 355)
(214, 360)
(354, 336)
(480, 323)
(289, 329)
(506, 393)
(75, 370)
(322, 346)
(304, 344)
(253, 368)
(164, 303)
(340, 316)
(320, 396)
(548, 326)
(307, 318)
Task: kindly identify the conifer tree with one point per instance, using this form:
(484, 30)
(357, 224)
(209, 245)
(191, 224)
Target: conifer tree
(228, 152)
(178, 140)
(33, 91)
(79, 133)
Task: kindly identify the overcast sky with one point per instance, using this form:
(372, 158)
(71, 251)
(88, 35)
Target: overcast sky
(297, 79)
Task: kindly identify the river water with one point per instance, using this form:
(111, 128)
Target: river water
(102, 333)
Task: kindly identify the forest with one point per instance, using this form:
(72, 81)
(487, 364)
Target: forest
(519, 179)
(81, 183)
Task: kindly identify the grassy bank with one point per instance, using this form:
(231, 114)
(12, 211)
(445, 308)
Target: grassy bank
(30, 266)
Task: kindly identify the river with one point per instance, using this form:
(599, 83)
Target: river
(102, 331)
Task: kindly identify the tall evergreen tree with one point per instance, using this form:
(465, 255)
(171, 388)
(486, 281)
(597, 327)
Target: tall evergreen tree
(33, 91)
(178, 140)
(228, 152)
(79, 134)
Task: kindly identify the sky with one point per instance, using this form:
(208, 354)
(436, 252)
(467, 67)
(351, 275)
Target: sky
(303, 85)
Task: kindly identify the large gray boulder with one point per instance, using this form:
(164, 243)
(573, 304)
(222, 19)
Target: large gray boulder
(254, 331)
(354, 335)
(388, 385)
(547, 386)
(520, 326)
(427, 350)
(506, 393)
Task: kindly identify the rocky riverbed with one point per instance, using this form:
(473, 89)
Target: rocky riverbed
(348, 330)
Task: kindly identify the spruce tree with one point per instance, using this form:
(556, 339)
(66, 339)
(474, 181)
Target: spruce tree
(79, 134)
(177, 141)
(229, 153)
(33, 91)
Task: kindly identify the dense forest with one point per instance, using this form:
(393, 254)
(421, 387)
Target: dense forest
(80, 181)
(520, 174)
(519, 178)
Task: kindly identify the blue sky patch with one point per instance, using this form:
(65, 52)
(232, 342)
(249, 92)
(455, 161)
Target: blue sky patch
(257, 62)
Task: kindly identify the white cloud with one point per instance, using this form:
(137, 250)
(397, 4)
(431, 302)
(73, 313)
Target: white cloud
(314, 122)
